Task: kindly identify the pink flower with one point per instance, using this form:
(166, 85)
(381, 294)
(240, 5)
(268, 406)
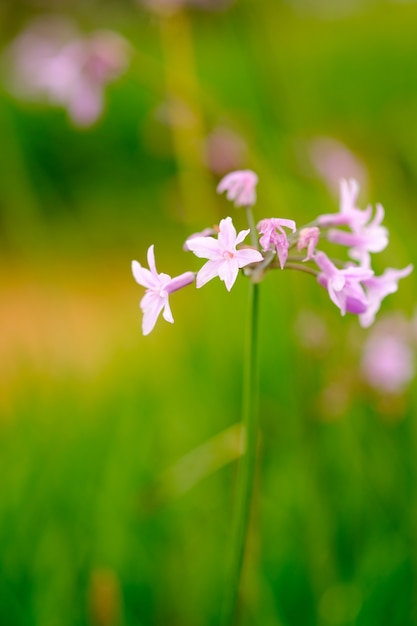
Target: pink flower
(240, 187)
(349, 214)
(365, 238)
(51, 61)
(271, 239)
(308, 238)
(158, 288)
(388, 360)
(334, 161)
(225, 150)
(377, 288)
(207, 232)
(224, 260)
(344, 286)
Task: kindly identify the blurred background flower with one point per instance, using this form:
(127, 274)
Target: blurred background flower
(333, 161)
(389, 354)
(50, 61)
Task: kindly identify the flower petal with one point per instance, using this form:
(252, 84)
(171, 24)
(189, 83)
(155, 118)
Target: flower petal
(143, 276)
(282, 221)
(205, 247)
(167, 314)
(151, 305)
(241, 236)
(228, 271)
(245, 256)
(151, 260)
(207, 272)
(227, 234)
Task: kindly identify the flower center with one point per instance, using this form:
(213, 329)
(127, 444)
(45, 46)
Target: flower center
(228, 255)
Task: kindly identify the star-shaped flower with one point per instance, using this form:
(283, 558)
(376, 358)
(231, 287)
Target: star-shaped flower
(224, 260)
(158, 288)
(377, 288)
(344, 286)
(365, 238)
(349, 214)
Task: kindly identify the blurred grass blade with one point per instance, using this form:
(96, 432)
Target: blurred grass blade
(201, 462)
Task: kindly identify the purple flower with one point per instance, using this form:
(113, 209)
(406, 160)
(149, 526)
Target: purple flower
(308, 238)
(388, 360)
(333, 161)
(271, 239)
(365, 238)
(51, 61)
(224, 260)
(240, 187)
(158, 288)
(224, 150)
(377, 288)
(207, 232)
(349, 214)
(344, 286)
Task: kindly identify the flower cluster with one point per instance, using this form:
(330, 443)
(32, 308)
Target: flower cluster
(51, 61)
(352, 286)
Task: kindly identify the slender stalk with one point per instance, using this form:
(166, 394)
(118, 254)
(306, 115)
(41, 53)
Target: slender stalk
(188, 134)
(248, 461)
(301, 268)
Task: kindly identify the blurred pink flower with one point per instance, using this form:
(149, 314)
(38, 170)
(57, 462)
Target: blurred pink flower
(333, 161)
(224, 151)
(224, 260)
(388, 359)
(349, 214)
(51, 61)
(158, 288)
(308, 238)
(207, 232)
(365, 238)
(271, 239)
(366, 235)
(240, 187)
(344, 286)
(377, 288)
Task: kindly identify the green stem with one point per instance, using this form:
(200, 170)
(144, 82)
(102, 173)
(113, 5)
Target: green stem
(247, 466)
(301, 268)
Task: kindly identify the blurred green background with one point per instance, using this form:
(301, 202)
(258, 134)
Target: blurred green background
(115, 500)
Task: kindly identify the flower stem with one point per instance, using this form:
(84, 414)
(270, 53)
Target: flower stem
(184, 95)
(302, 268)
(248, 461)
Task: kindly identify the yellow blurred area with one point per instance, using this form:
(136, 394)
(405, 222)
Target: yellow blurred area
(64, 319)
